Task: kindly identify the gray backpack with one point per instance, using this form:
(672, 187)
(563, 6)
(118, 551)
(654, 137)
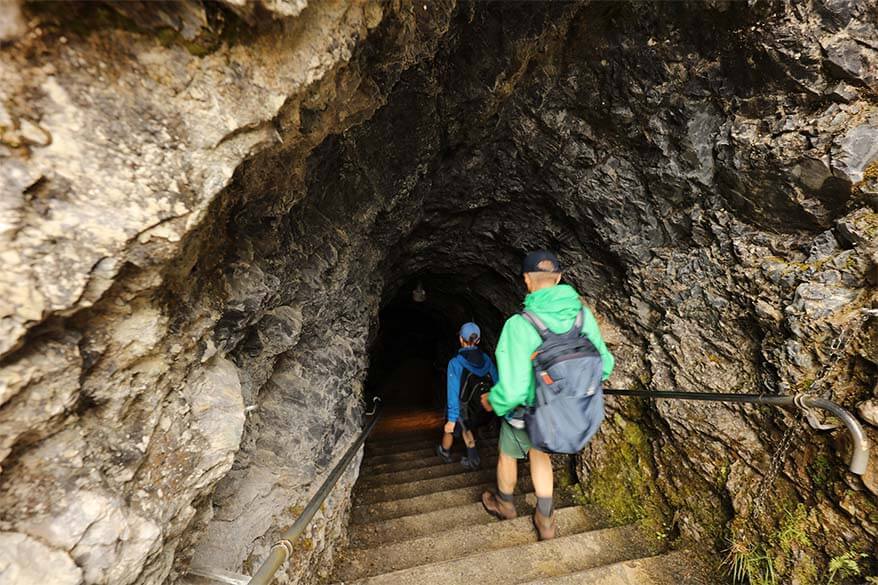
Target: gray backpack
(569, 405)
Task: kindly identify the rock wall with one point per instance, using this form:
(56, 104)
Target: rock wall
(703, 168)
(159, 277)
(206, 205)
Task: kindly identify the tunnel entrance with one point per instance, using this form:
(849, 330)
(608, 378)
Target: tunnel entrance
(406, 361)
(416, 335)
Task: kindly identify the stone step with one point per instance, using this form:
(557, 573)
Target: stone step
(427, 442)
(486, 446)
(363, 513)
(417, 525)
(387, 492)
(462, 540)
(370, 470)
(676, 568)
(407, 436)
(419, 455)
(528, 562)
(431, 432)
(425, 472)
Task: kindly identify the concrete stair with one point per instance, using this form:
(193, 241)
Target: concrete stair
(668, 569)
(414, 526)
(416, 520)
(454, 542)
(389, 476)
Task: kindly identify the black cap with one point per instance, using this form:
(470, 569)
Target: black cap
(533, 260)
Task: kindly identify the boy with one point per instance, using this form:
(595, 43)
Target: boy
(470, 373)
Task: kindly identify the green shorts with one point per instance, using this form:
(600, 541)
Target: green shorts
(513, 442)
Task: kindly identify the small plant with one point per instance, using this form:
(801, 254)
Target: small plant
(872, 580)
(793, 531)
(844, 566)
(750, 564)
(820, 470)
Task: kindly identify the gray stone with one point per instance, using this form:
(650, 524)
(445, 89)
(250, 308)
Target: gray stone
(26, 561)
(868, 410)
(844, 92)
(12, 23)
(854, 151)
(33, 134)
(824, 246)
(852, 60)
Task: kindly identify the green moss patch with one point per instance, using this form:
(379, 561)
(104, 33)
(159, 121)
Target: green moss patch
(622, 486)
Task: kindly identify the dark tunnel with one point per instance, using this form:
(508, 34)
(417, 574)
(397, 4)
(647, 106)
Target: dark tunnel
(417, 333)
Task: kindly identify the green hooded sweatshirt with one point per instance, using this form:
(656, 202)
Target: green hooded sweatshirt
(557, 306)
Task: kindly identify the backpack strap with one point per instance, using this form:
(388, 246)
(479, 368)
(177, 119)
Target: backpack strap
(464, 378)
(576, 330)
(537, 323)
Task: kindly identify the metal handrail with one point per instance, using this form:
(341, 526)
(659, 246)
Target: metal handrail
(860, 456)
(283, 548)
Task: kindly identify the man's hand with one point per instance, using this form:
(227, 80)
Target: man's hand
(486, 404)
(449, 427)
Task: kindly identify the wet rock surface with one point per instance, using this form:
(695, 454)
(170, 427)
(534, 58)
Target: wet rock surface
(143, 310)
(203, 211)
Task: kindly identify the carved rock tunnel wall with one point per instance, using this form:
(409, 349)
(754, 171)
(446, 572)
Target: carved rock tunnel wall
(206, 206)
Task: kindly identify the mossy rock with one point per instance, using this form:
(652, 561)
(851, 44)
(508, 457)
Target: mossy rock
(622, 486)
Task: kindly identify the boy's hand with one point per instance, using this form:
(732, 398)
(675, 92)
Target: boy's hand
(486, 404)
(449, 427)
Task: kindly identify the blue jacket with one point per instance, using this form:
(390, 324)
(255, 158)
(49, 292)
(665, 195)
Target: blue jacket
(474, 360)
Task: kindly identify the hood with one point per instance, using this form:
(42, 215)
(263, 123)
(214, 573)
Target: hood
(557, 306)
(474, 360)
(473, 356)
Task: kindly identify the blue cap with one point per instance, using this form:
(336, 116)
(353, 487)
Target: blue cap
(468, 330)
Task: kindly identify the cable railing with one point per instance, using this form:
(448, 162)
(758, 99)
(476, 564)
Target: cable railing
(860, 456)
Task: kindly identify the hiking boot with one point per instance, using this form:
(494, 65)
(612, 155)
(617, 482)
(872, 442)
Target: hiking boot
(471, 463)
(546, 525)
(497, 507)
(444, 454)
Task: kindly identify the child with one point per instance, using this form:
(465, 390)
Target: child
(471, 373)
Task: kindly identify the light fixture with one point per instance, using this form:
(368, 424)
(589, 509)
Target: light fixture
(419, 295)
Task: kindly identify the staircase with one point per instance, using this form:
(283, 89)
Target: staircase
(418, 521)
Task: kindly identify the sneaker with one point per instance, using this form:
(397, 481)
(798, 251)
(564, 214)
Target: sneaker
(471, 463)
(546, 525)
(444, 454)
(497, 507)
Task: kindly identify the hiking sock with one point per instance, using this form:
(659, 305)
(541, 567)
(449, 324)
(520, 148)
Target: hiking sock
(444, 454)
(545, 506)
(504, 497)
(473, 455)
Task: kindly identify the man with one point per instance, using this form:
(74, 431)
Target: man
(557, 305)
(470, 373)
